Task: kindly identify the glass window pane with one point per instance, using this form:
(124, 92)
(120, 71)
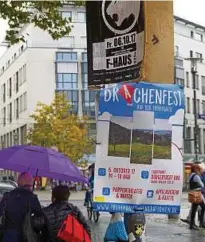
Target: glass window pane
(84, 67)
(67, 77)
(60, 78)
(74, 78)
(66, 56)
(59, 85)
(74, 85)
(67, 15)
(75, 96)
(74, 56)
(84, 56)
(59, 56)
(81, 16)
(67, 85)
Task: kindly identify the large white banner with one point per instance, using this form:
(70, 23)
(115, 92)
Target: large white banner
(139, 148)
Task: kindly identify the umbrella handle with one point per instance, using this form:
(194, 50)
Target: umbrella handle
(35, 179)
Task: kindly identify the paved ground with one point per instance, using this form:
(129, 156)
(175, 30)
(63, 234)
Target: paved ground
(159, 228)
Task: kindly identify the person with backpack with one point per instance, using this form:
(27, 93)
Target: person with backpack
(14, 207)
(61, 215)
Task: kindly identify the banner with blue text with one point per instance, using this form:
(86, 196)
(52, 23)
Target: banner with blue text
(139, 148)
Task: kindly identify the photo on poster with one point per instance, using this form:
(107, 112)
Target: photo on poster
(162, 147)
(119, 137)
(142, 137)
(142, 145)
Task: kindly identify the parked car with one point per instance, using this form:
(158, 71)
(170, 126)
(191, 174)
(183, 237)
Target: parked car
(10, 182)
(5, 187)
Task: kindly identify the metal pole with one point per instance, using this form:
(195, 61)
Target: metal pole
(195, 117)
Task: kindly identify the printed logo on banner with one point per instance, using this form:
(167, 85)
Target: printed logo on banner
(144, 174)
(119, 16)
(150, 194)
(101, 172)
(106, 191)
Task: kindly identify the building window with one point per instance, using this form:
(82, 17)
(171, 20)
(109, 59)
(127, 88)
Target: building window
(66, 81)
(17, 108)
(72, 96)
(88, 98)
(66, 56)
(84, 67)
(84, 56)
(17, 81)
(192, 34)
(203, 84)
(200, 56)
(20, 76)
(9, 108)
(67, 15)
(24, 74)
(180, 81)
(23, 134)
(4, 92)
(203, 107)
(179, 62)
(81, 17)
(199, 37)
(176, 50)
(4, 116)
(187, 144)
(196, 82)
(8, 140)
(25, 101)
(187, 79)
(10, 87)
(197, 106)
(191, 53)
(188, 105)
(85, 81)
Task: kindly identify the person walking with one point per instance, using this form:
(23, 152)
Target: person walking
(14, 208)
(196, 184)
(56, 213)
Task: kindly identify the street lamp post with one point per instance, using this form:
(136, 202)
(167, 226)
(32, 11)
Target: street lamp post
(194, 61)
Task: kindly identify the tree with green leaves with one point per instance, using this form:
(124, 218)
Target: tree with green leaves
(55, 126)
(43, 14)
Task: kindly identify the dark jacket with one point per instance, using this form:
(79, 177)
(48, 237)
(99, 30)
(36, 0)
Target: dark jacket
(55, 215)
(16, 205)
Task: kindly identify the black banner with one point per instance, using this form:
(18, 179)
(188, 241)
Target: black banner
(115, 36)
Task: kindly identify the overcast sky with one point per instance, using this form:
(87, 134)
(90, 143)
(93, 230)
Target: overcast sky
(188, 9)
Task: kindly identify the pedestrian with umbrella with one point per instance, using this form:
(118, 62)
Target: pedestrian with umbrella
(14, 207)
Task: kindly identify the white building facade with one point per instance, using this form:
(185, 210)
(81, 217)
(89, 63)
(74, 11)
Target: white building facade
(190, 42)
(33, 71)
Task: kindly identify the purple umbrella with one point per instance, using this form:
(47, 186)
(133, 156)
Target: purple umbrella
(40, 161)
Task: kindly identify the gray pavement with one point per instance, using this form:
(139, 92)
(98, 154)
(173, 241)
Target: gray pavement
(159, 228)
